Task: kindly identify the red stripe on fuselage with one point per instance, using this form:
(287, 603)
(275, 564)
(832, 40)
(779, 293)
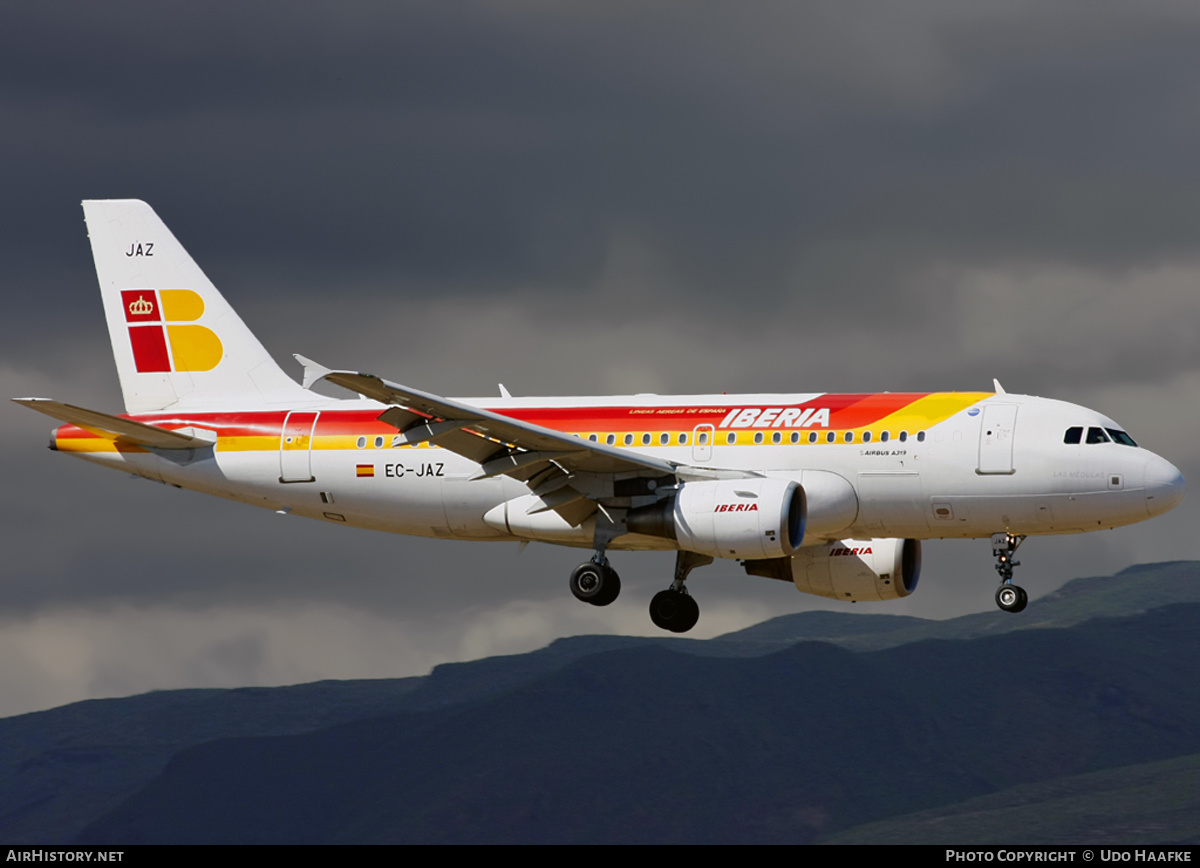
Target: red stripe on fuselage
(845, 411)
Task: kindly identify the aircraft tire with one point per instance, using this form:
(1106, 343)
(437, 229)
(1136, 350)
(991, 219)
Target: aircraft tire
(1024, 601)
(673, 611)
(595, 583)
(612, 587)
(1011, 598)
(689, 614)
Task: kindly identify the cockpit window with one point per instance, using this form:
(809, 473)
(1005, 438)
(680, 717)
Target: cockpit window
(1096, 435)
(1074, 435)
(1120, 437)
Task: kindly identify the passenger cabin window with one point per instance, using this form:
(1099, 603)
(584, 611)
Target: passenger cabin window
(610, 439)
(1096, 435)
(1073, 435)
(920, 436)
(884, 436)
(903, 436)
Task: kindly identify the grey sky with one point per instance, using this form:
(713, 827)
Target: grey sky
(580, 198)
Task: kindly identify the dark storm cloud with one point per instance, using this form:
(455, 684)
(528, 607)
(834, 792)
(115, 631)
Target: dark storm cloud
(466, 147)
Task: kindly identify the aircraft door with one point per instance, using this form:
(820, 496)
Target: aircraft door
(295, 447)
(996, 432)
(702, 438)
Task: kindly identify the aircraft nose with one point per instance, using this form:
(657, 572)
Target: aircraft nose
(1164, 485)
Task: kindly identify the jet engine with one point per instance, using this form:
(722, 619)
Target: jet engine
(728, 518)
(850, 569)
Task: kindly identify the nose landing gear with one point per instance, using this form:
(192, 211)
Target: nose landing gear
(1009, 597)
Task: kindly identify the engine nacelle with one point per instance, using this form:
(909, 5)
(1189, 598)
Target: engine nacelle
(873, 569)
(728, 518)
(832, 503)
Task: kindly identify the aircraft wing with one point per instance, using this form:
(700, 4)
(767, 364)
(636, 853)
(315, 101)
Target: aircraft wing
(540, 457)
(114, 427)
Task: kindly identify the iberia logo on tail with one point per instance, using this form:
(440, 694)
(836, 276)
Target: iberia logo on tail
(163, 334)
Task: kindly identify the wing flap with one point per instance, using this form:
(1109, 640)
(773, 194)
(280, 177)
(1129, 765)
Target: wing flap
(469, 445)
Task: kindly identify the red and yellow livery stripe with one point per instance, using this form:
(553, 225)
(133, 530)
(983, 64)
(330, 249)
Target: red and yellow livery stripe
(342, 429)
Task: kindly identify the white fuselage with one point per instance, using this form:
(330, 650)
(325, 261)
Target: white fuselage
(999, 464)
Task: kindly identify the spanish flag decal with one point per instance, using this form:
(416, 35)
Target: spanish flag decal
(364, 470)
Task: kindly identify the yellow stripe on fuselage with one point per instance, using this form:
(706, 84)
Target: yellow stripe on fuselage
(920, 415)
(928, 411)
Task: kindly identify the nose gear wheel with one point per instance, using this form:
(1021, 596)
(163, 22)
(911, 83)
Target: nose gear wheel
(1009, 597)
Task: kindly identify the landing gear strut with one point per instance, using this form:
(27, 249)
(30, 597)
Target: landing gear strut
(1009, 597)
(674, 609)
(596, 582)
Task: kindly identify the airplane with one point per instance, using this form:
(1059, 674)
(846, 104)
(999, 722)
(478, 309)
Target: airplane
(830, 492)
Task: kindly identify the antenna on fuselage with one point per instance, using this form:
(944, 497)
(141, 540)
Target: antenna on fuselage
(999, 388)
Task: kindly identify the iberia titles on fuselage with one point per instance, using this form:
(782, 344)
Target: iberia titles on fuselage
(832, 492)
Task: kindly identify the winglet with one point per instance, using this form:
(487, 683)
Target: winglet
(313, 373)
(999, 388)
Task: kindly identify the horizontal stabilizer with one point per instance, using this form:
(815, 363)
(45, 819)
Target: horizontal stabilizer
(117, 428)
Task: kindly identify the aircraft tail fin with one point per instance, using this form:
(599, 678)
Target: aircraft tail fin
(177, 342)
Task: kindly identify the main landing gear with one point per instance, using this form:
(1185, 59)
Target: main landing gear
(595, 582)
(1009, 597)
(674, 609)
